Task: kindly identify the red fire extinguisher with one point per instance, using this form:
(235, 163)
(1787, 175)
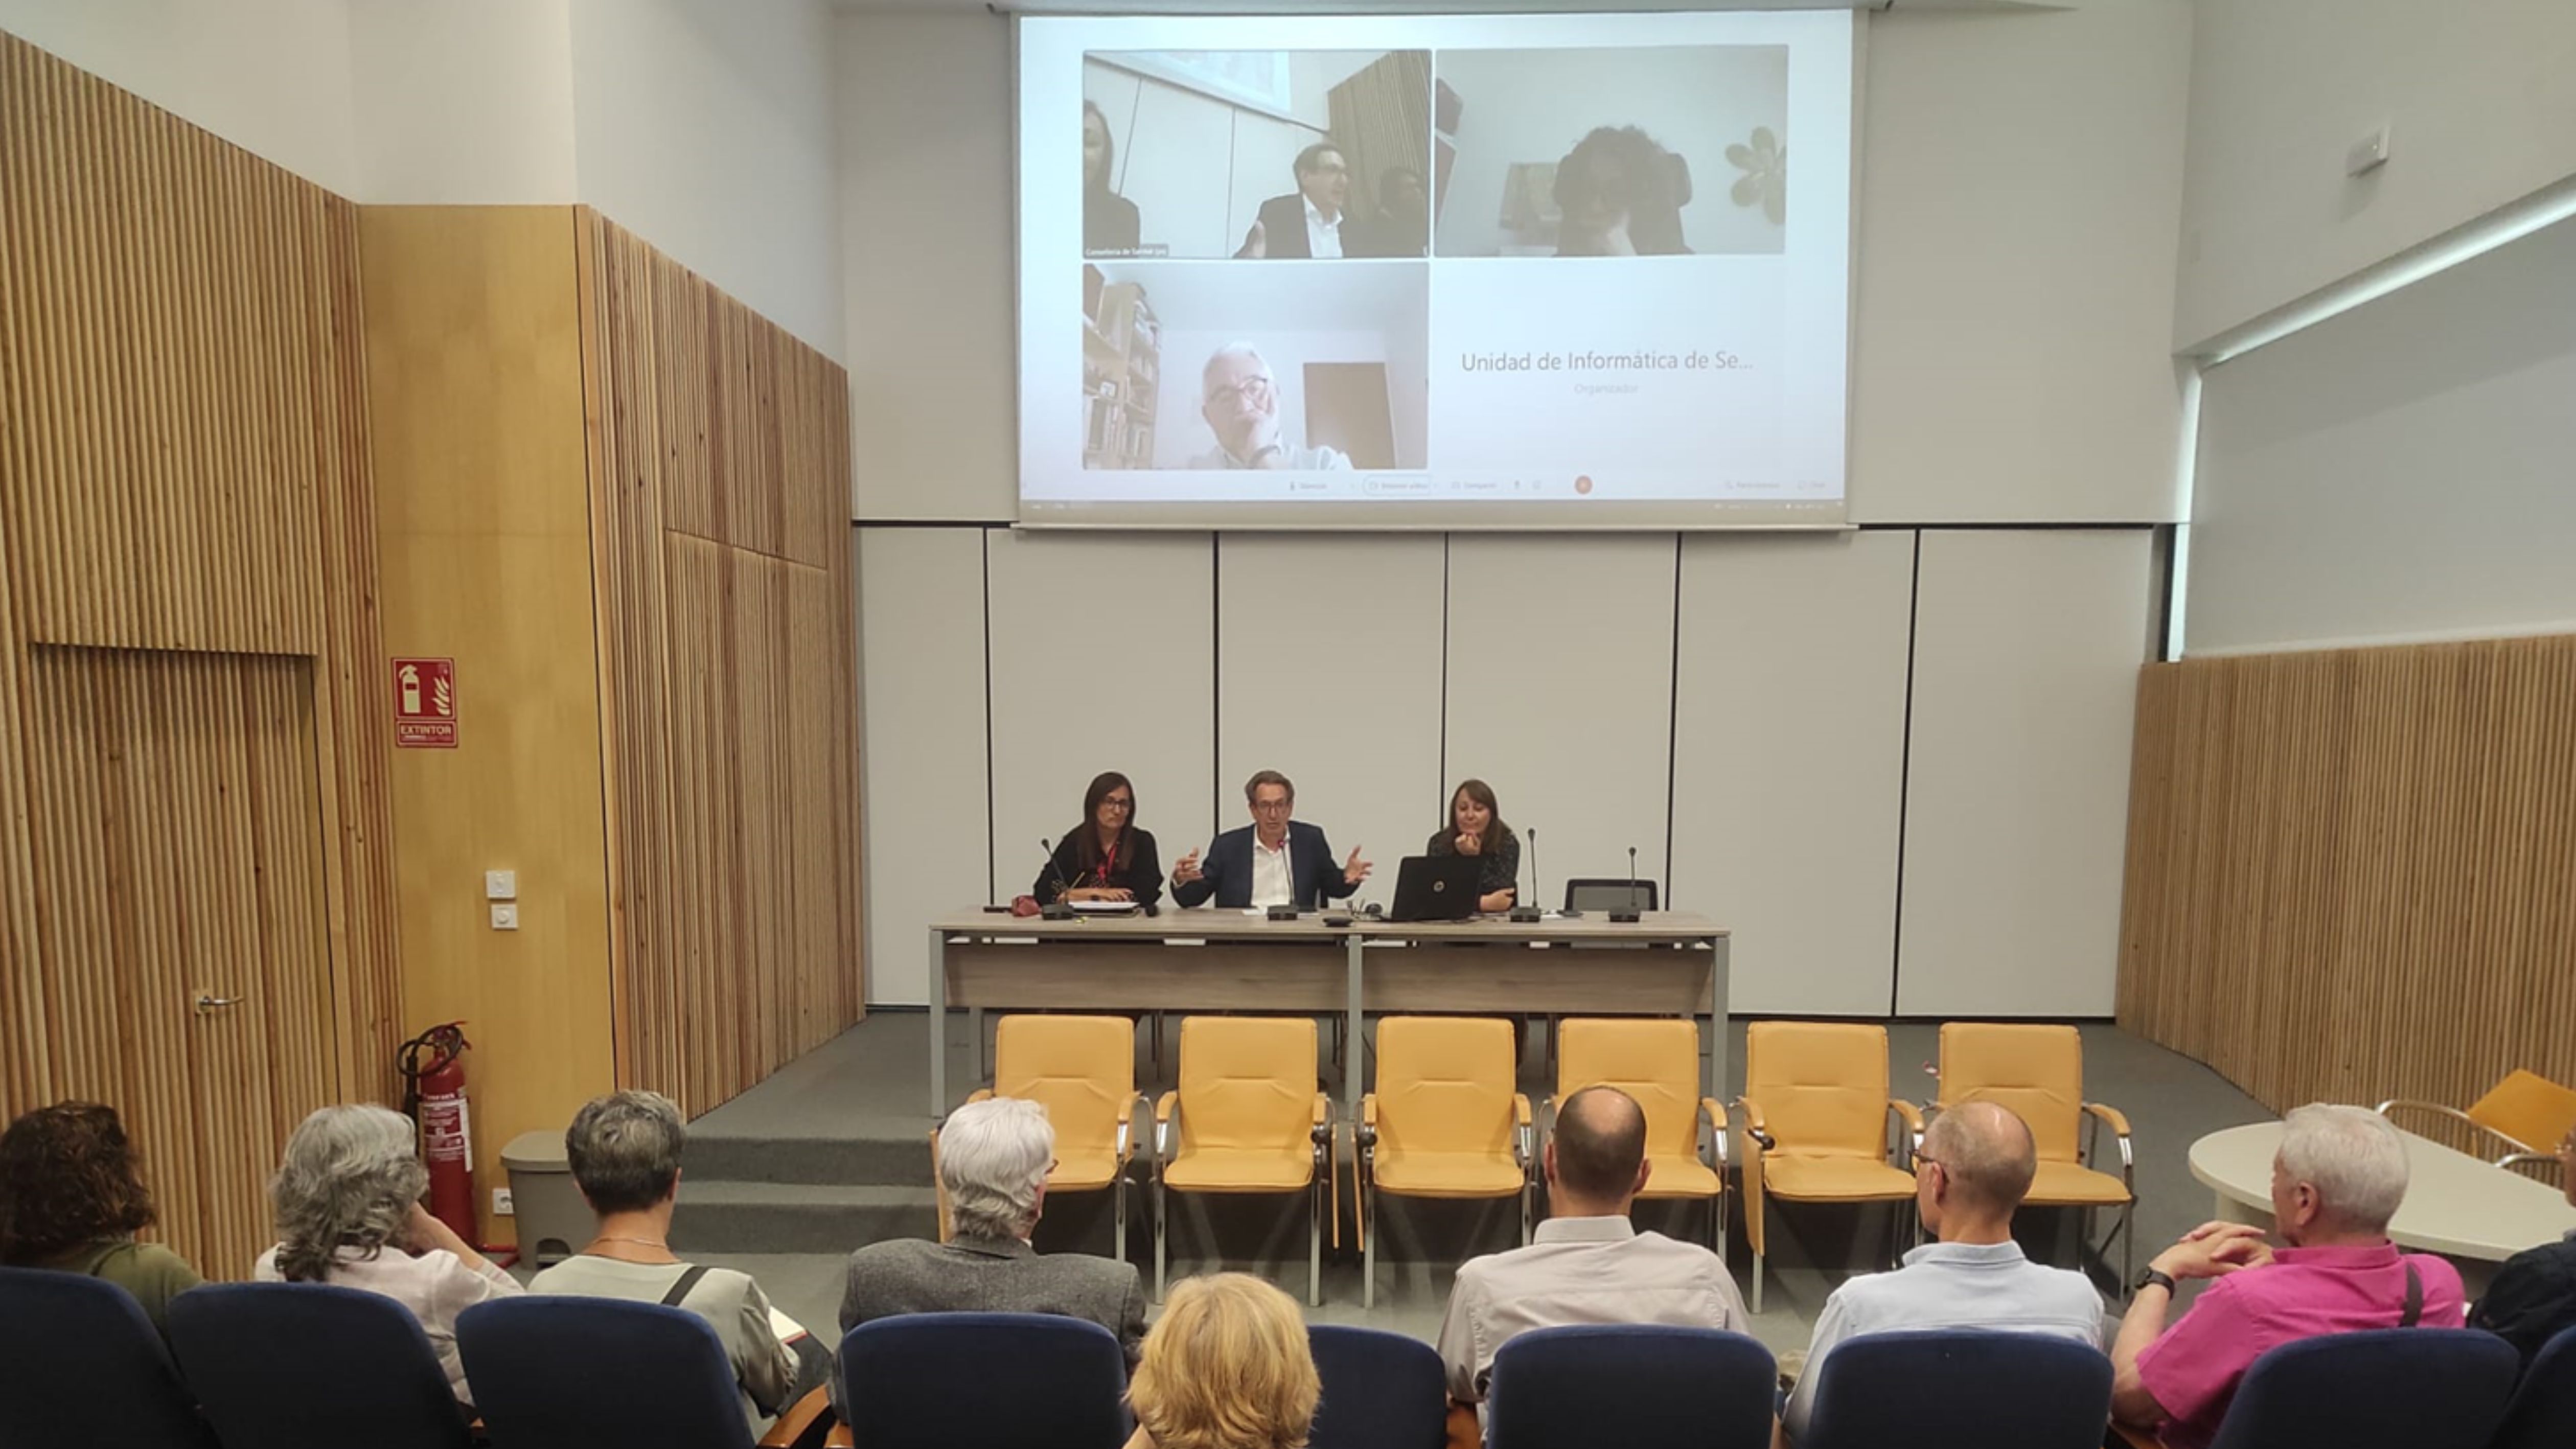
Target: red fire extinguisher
(434, 1099)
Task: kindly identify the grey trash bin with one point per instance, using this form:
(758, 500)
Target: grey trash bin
(551, 1214)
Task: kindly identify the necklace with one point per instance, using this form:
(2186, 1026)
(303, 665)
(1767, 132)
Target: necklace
(639, 1242)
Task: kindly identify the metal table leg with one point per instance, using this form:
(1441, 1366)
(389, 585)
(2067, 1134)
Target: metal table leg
(938, 1023)
(1353, 1055)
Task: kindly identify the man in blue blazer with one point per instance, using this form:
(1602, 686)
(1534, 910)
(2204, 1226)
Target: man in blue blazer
(1274, 861)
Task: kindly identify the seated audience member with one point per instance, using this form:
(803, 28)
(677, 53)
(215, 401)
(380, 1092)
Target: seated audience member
(1106, 858)
(1977, 1161)
(1586, 1264)
(1476, 828)
(625, 1154)
(72, 1198)
(994, 1157)
(348, 1213)
(1226, 1367)
(1274, 861)
(2533, 1297)
(2337, 1180)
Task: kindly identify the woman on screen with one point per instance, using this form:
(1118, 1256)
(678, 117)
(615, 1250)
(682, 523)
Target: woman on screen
(1109, 222)
(1105, 858)
(1476, 828)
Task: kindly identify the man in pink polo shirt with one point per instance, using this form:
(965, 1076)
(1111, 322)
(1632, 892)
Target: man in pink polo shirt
(2337, 1180)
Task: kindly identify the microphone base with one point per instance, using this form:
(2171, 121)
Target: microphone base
(1283, 913)
(1057, 912)
(1527, 915)
(1625, 918)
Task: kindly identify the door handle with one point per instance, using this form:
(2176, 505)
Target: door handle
(209, 1003)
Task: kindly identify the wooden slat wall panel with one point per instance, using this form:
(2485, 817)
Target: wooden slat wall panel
(184, 485)
(721, 460)
(2349, 872)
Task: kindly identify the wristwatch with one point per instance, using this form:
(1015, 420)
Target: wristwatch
(2152, 1278)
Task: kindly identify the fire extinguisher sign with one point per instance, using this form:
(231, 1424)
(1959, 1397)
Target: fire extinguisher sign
(425, 704)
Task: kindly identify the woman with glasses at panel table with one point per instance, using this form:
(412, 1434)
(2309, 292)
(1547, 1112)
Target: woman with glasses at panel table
(1106, 858)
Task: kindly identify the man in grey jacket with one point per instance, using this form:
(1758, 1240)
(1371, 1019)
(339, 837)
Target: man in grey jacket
(994, 1157)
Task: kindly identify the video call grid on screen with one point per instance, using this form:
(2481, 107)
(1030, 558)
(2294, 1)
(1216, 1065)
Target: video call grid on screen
(1540, 271)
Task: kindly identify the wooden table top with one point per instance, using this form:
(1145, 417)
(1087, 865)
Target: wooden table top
(1210, 923)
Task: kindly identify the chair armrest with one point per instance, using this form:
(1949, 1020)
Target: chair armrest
(1521, 1109)
(980, 1094)
(1322, 1118)
(1753, 1126)
(1716, 1116)
(2135, 1438)
(2112, 1115)
(1524, 1134)
(2102, 1113)
(1368, 1114)
(2456, 1115)
(840, 1438)
(799, 1420)
(1912, 1116)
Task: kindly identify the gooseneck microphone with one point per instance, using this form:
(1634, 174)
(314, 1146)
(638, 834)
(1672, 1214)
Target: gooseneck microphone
(1629, 916)
(1528, 912)
(1058, 909)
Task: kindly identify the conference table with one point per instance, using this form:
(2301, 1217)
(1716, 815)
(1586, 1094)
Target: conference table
(2472, 1212)
(1666, 964)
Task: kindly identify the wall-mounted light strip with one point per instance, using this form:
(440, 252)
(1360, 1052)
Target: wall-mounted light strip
(2549, 205)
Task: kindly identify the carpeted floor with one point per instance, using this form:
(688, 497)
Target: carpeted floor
(829, 1154)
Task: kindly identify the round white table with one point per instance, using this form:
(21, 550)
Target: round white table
(2471, 1212)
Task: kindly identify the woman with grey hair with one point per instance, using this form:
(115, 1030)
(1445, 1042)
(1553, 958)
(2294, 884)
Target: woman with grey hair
(348, 1190)
(625, 1154)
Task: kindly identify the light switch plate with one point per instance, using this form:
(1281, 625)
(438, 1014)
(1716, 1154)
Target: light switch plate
(500, 885)
(505, 916)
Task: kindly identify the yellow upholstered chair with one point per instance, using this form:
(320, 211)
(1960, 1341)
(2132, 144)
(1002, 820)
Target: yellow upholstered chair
(1656, 1062)
(1443, 1122)
(2037, 1071)
(1082, 1069)
(1815, 1110)
(1247, 1119)
(2526, 1114)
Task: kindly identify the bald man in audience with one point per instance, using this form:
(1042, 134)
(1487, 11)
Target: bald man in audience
(1586, 1263)
(1976, 1162)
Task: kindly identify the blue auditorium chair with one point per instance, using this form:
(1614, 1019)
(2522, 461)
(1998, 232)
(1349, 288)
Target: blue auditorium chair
(1952, 1386)
(560, 1372)
(1634, 1386)
(930, 1380)
(1381, 1390)
(2382, 1388)
(80, 1364)
(2543, 1412)
(310, 1366)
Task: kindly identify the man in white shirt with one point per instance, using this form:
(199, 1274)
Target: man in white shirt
(1314, 221)
(1240, 400)
(1274, 861)
(1585, 1264)
(1976, 1162)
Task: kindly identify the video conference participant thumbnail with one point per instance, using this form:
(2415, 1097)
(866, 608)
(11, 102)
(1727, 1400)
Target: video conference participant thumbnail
(1173, 143)
(1228, 369)
(1661, 152)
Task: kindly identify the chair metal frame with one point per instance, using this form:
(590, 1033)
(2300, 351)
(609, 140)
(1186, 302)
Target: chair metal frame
(1365, 1190)
(2520, 1152)
(1322, 1197)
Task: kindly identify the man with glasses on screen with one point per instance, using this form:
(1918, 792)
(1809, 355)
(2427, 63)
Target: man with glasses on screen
(1240, 401)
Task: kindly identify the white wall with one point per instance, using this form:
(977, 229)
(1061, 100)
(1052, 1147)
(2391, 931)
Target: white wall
(1377, 671)
(2400, 472)
(1789, 760)
(270, 76)
(707, 127)
(2015, 277)
(925, 186)
(2019, 178)
(2026, 654)
(465, 103)
(2480, 96)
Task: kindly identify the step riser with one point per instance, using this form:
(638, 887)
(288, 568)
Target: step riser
(876, 1162)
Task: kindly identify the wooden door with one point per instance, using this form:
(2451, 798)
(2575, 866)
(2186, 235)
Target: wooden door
(181, 918)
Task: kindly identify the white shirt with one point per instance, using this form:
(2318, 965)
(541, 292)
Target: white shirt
(1323, 238)
(1579, 1270)
(436, 1287)
(1950, 1285)
(1273, 884)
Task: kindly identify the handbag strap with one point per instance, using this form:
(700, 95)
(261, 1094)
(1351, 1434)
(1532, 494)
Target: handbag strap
(2414, 1298)
(689, 1280)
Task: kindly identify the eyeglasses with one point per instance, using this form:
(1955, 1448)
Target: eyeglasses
(1255, 390)
(1120, 802)
(1272, 807)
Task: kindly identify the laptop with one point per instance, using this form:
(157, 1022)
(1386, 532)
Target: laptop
(1436, 888)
